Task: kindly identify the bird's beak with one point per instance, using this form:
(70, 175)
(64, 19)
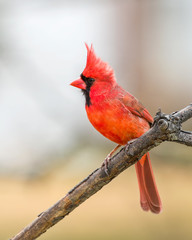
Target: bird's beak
(79, 83)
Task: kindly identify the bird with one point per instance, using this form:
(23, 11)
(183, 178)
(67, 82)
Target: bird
(120, 117)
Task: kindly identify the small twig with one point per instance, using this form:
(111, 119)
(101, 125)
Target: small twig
(165, 128)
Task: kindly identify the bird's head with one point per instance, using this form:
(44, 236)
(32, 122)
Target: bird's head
(97, 75)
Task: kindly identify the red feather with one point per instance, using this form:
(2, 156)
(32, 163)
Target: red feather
(120, 117)
(96, 68)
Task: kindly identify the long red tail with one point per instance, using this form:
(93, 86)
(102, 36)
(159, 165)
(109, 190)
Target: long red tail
(149, 196)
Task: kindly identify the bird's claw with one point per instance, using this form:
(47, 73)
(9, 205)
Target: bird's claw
(128, 146)
(108, 158)
(106, 163)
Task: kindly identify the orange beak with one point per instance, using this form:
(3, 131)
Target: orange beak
(79, 83)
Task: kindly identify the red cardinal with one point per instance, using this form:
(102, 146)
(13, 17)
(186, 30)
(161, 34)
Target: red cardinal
(120, 117)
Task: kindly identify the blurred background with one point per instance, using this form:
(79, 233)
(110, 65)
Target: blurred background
(47, 142)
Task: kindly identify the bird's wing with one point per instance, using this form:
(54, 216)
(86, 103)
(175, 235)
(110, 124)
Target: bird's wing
(134, 106)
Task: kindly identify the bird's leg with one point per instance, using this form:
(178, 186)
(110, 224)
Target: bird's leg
(107, 159)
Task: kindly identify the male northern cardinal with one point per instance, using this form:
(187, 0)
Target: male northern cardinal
(120, 117)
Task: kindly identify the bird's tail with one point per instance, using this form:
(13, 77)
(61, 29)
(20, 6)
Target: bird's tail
(149, 196)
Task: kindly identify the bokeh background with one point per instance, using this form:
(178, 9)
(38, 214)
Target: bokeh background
(47, 143)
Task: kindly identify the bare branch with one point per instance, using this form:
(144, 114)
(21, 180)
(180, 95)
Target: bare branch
(165, 128)
(185, 113)
(184, 137)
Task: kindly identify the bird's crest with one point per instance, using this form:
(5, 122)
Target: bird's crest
(96, 68)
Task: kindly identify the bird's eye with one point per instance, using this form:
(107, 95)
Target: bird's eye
(91, 80)
(88, 80)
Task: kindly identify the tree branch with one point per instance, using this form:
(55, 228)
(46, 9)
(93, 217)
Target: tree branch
(165, 128)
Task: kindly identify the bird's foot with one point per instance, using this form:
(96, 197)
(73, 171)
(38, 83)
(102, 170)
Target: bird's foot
(128, 146)
(106, 163)
(108, 158)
